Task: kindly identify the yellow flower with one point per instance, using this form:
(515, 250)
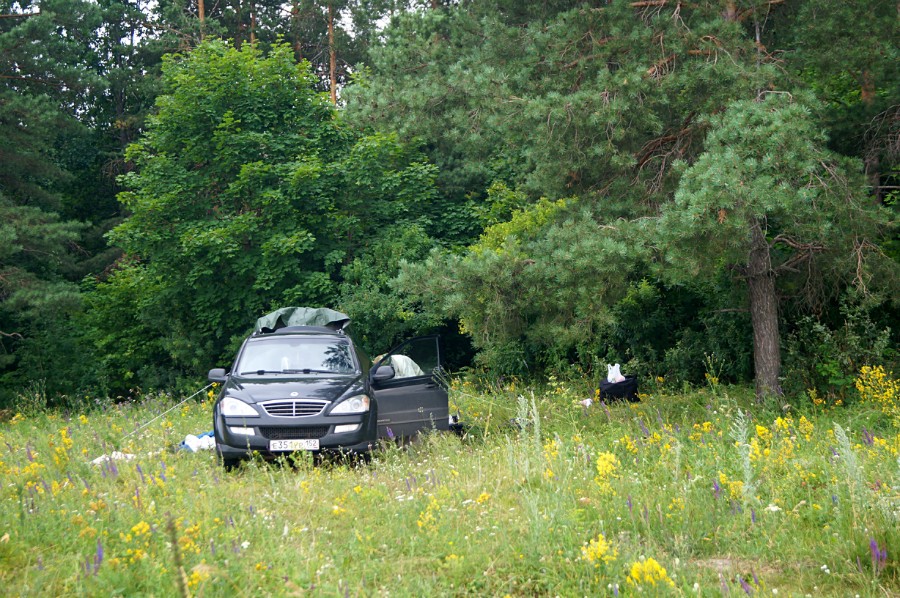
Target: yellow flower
(648, 572)
(141, 528)
(598, 550)
(197, 577)
(427, 520)
(483, 498)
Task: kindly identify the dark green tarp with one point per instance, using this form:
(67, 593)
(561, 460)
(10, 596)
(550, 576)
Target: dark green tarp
(302, 316)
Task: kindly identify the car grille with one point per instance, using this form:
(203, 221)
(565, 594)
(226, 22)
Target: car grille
(292, 408)
(293, 433)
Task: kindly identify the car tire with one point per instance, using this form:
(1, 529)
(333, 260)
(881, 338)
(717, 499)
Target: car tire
(228, 463)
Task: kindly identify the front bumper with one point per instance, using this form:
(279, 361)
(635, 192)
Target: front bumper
(266, 428)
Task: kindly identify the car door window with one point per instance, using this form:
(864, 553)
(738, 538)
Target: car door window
(415, 358)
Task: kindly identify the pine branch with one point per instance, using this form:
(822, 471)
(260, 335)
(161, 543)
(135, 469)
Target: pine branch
(21, 15)
(30, 79)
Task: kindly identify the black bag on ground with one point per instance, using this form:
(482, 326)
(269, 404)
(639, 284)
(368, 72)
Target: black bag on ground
(620, 391)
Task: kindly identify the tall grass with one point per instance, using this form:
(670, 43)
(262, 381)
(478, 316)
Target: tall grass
(678, 494)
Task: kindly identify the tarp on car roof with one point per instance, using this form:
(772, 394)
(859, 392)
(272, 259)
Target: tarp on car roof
(302, 316)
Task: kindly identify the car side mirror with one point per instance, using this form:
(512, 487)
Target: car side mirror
(384, 372)
(216, 375)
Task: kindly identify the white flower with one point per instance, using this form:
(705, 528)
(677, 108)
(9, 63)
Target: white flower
(245, 544)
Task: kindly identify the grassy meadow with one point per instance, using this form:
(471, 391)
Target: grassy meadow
(685, 493)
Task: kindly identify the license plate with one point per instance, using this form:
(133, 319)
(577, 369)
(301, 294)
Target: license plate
(306, 444)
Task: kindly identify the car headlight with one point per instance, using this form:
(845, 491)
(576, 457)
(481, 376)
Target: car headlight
(356, 404)
(232, 407)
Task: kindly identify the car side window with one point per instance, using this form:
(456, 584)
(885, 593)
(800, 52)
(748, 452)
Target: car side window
(418, 357)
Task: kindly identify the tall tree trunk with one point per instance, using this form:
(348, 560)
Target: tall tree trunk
(295, 27)
(201, 14)
(764, 315)
(239, 24)
(331, 55)
(252, 23)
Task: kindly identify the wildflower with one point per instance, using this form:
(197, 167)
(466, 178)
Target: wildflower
(427, 519)
(551, 449)
(141, 528)
(598, 550)
(483, 498)
(648, 572)
(197, 577)
(630, 445)
(880, 389)
(879, 555)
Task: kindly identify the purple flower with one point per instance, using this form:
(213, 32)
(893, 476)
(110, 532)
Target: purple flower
(868, 439)
(752, 515)
(717, 490)
(745, 586)
(141, 472)
(879, 556)
(630, 505)
(98, 556)
(644, 428)
(390, 433)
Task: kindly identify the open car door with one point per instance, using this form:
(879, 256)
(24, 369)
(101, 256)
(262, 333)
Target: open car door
(408, 390)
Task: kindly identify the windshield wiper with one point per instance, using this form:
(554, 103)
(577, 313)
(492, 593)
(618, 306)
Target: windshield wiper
(262, 372)
(300, 371)
(308, 371)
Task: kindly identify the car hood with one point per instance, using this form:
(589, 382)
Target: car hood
(266, 388)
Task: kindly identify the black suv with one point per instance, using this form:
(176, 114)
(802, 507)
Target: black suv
(308, 388)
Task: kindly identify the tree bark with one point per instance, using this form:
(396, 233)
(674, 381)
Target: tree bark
(201, 14)
(295, 27)
(763, 315)
(252, 24)
(331, 55)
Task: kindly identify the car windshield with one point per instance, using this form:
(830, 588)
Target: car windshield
(294, 355)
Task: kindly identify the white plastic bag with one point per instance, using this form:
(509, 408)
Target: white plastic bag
(614, 374)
